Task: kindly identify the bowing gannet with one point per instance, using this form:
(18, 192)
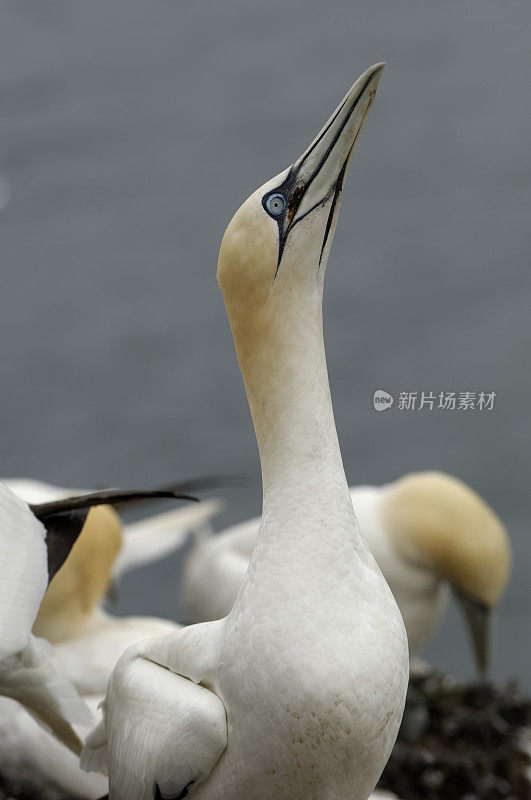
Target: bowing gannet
(427, 531)
(298, 692)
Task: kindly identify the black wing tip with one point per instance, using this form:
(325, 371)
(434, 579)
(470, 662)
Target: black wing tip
(185, 490)
(106, 497)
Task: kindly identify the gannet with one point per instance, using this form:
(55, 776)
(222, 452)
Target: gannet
(298, 692)
(87, 640)
(428, 531)
(28, 673)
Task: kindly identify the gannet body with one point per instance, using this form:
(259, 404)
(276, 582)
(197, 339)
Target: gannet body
(28, 673)
(427, 531)
(298, 692)
(87, 640)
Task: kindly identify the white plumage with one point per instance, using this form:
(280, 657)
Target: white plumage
(88, 641)
(28, 673)
(427, 531)
(215, 567)
(34, 760)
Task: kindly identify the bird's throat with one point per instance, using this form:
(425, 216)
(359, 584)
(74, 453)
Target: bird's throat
(287, 387)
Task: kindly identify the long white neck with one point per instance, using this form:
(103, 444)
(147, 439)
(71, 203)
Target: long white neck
(286, 378)
(294, 422)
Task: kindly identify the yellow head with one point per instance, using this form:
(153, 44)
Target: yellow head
(440, 523)
(274, 252)
(84, 578)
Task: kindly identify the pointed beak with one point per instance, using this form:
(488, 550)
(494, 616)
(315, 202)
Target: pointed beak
(322, 167)
(479, 619)
(320, 171)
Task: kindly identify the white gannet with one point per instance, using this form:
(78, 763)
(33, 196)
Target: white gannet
(299, 691)
(87, 641)
(427, 531)
(28, 673)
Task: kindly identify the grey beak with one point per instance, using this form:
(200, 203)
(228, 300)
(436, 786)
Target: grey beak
(319, 172)
(324, 163)
(479, 619)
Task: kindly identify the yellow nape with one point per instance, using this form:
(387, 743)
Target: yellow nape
(247, 264)
(84, 578)
(247, 261)
(440, 522)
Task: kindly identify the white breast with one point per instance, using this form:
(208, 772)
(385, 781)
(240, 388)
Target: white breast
(215, 567)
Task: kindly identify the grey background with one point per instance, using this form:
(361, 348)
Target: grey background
(130, 133)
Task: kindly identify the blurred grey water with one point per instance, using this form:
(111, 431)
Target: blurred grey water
(130, 133)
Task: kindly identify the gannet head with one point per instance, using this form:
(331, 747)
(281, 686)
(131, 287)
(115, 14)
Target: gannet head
(440, 523)
(274, 252)
(83, 580)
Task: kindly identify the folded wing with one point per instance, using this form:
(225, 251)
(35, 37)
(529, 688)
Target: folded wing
(161, 734)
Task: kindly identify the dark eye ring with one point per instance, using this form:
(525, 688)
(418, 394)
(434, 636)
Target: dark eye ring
(275, 204)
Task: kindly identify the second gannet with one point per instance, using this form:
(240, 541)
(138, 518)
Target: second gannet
(428, 531)
(299, 691)
(87, 640)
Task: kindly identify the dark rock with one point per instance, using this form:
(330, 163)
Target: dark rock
(460, 742)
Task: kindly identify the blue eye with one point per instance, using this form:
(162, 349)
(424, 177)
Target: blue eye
(275, 204)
